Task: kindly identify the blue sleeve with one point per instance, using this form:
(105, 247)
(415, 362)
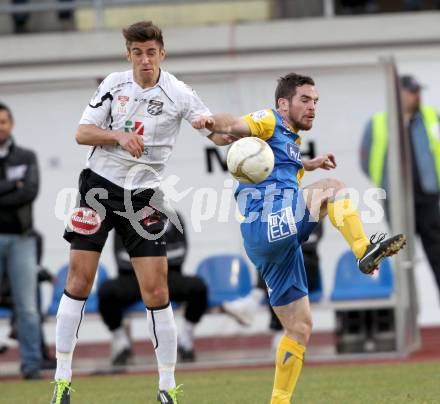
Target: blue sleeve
(367, 141)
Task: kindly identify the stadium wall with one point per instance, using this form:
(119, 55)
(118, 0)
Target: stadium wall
(48, 79)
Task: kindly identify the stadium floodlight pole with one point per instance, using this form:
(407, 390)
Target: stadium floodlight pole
(401, 208)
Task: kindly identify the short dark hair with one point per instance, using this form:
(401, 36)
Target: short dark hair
(142, 31)
(288, 84)
(4, 107)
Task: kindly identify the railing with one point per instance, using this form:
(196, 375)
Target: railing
(98, 5)
(328, 6)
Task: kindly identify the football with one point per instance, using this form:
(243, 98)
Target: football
(250, 160)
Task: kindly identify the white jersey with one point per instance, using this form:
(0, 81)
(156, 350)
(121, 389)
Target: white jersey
(154, 113)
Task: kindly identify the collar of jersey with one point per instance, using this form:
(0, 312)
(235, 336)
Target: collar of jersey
(285, 123)
(160, 82)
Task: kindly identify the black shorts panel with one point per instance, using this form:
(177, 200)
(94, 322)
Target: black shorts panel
(79, 242)
(149, 248)
(147, 240)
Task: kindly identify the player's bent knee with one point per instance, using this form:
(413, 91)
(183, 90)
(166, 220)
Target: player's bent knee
(300, 331)
(155, 297)
(79, 283)
(334, 184)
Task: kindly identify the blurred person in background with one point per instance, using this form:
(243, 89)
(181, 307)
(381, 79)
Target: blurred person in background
(422, 126)
(418, 5)
(20, 20)
(6, 301)
(19, 183)
(359, 6)
(117, 294)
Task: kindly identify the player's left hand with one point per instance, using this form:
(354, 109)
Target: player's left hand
(330, 162)
(325, 161)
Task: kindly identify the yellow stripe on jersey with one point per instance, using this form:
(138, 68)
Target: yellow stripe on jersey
(299, 175)
(261, 123)
(301, 171)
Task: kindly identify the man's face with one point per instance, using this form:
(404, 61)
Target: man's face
(411, 100)
(302, 107)
(145, 58)
(6, 125)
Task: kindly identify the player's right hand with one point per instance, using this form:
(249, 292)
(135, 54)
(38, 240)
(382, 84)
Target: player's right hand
(203, 122)
(133, 143)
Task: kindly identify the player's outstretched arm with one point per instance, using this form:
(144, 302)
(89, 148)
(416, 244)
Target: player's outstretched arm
(93, 136)
(225, 128)
(326, 162)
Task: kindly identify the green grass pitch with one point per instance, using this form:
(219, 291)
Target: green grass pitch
(349, 384)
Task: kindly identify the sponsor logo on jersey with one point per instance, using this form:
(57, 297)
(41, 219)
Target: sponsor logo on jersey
(293, 151)
(84, 221)
(122, 102)
(259, 115)
(281, 224)
(136, 126)
(123, 99)
(155, 107)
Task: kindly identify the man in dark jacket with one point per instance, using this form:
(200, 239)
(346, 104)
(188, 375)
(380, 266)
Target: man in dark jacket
(18, 189)
(116, 294)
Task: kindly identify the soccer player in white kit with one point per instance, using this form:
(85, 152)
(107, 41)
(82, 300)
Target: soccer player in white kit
(131, 125)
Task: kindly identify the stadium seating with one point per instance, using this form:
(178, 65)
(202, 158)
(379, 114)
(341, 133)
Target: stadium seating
(351, 284)
(226, 276)
(58, 290)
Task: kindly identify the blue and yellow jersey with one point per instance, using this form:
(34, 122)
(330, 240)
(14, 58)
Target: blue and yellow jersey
(288, 169)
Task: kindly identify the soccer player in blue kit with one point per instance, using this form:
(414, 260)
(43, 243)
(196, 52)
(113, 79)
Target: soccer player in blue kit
(279, 216)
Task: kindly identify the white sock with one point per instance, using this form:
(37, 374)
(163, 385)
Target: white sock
(186, 336)
(163, 334)
(120, 341)
(69, 316)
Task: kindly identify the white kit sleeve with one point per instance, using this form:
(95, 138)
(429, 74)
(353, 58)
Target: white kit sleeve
(194, 107)
(98, 112)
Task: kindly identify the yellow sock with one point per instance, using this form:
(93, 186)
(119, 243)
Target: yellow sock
(289, 360)
(346, 219)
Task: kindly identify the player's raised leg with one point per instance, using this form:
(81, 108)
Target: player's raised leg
(297, 323)
(151, 273)
(82, 270)
(329, 197)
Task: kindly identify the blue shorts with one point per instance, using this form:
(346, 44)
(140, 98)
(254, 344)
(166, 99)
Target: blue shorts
(273, 244)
